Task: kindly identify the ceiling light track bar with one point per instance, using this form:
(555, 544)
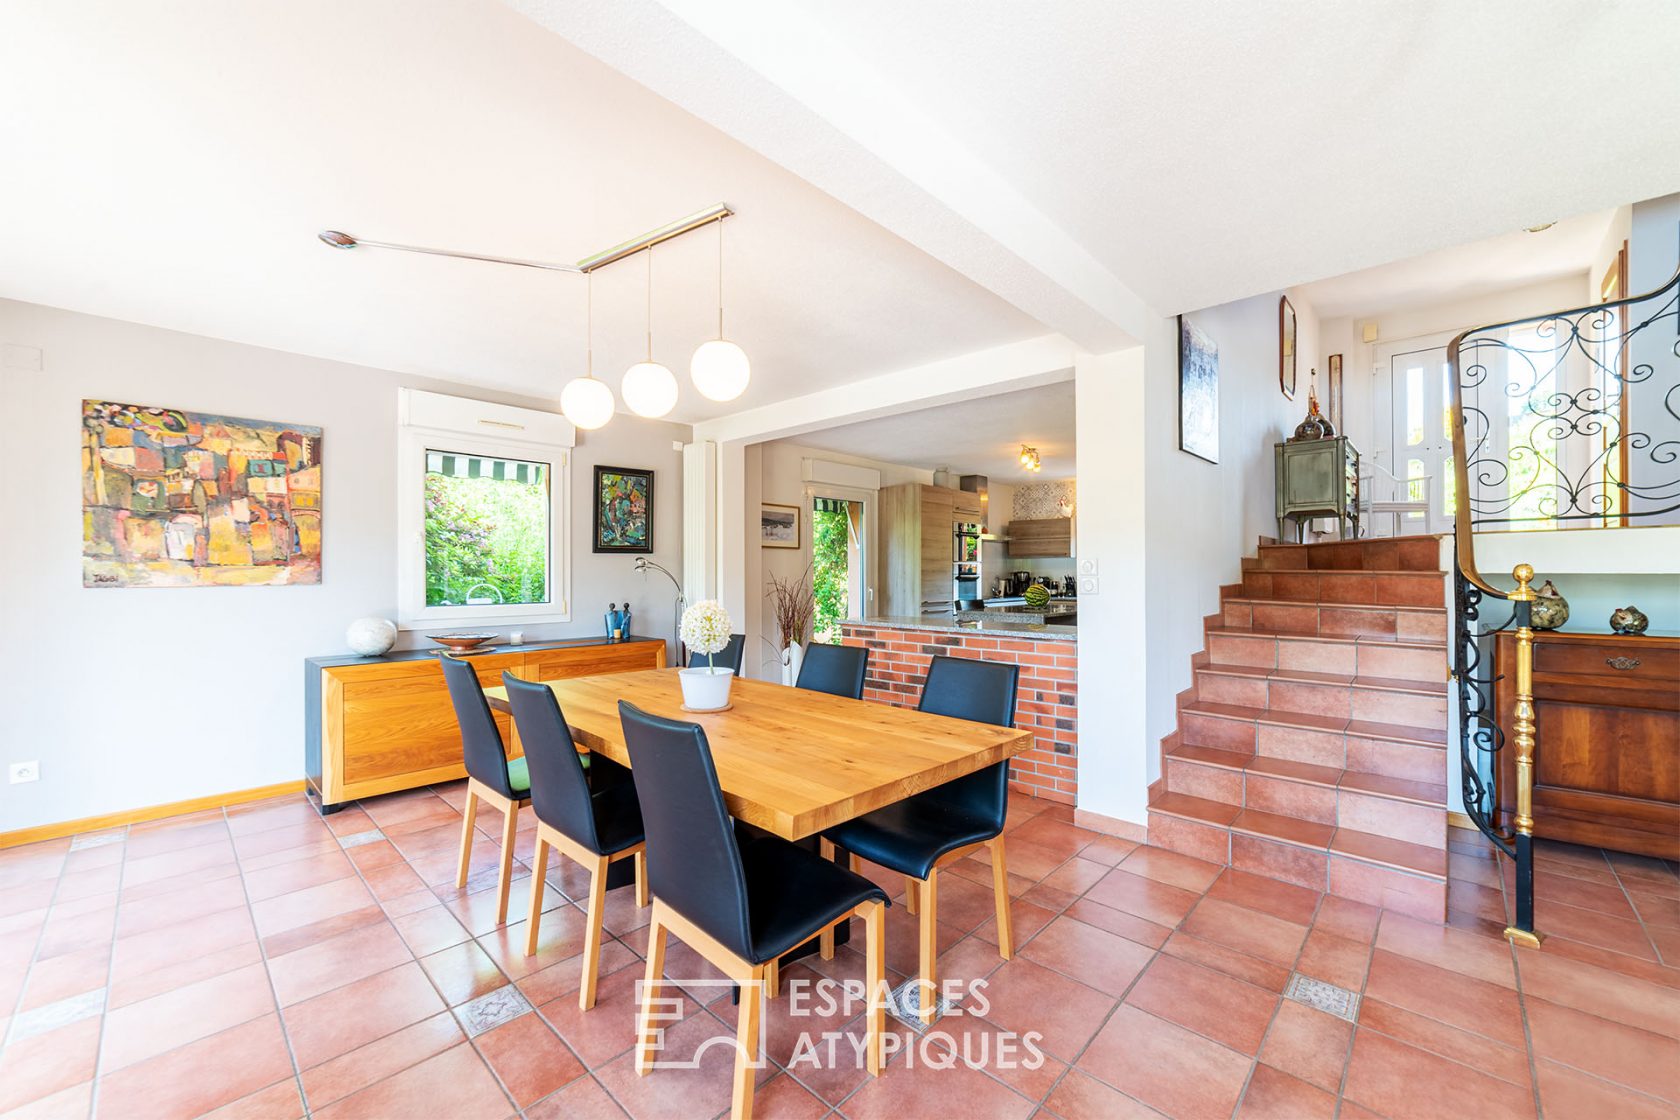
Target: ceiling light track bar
(340, 240)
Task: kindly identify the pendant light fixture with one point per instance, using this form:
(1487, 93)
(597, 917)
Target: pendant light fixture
(584, 401)
(720, 368)
(648, 387)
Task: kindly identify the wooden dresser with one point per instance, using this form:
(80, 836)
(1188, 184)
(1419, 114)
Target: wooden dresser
(379, 724)
(1607, 739)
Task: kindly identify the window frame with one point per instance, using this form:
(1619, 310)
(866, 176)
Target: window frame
(456, 425)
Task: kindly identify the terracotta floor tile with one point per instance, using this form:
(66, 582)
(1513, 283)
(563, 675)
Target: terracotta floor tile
(1108, 850)
(1275, 1095)
(566, 977)
(1308, 1044)
(1601, 992)
(48, 1063)
(583, 1099)
(336, 962)
(311, 904)
(1026, 997)
(985, 1046)
(529, 1058)
(1129, 926)
(1208, 1002)
(698, 1090)
(1387, 1076)
(1247, 931)
(905, 1090)
(609, 1028)
(1066, 840)
(1491, 1010)
(325, 929)
(343, 1019)
(197, 1078)
(1447, 948)
(1620, 935)
(1078, 1095)
(455, 1083)
(280, 1101)
(1024, 858)
(69, 975)
(73, 1103)
(1209, 954)
(1269, 896)
(1026, 919)
(463, 972)
(152, 1026)
(1567, 1092)
(1508, 1063)
(1157, 902)
(430, 930)
(1166, 1067)
(1649, 1063)
(356, 1070)
(172, 945)
(1093, 956)
(1334, 959)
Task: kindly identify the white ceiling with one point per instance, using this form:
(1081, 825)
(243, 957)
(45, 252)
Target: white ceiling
(981, 436)
(1464, 271)
(170, 164)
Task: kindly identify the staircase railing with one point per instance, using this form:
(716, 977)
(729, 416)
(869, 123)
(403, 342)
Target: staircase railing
(1568, 419)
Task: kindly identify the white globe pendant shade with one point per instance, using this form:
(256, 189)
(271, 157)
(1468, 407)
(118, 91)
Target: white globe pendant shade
(720, 370)
(649, 389)
(586, 402)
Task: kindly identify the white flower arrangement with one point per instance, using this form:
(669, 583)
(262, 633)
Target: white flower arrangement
(706, 627)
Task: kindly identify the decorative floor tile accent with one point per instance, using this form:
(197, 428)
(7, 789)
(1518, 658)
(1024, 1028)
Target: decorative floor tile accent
(491, 1010)
(905, 1005)
(99, 839)
(51, 1016)
(1340, 1002)
(356, 839)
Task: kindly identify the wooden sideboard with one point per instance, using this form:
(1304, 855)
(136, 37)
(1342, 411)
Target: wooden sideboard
(1607, 739)
(379, 724)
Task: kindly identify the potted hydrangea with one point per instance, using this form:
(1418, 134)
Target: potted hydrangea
(705, 629)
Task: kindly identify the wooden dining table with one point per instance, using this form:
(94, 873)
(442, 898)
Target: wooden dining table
(791, 761)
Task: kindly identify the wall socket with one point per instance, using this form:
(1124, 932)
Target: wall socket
(1088, 582)
(25, 772)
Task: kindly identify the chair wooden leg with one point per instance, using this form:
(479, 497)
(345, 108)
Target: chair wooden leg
(510, 825)
(533, 921)
(928, 945)
(746, 1043)
(825, 940)
(640, 862)
(875, 973)
(909, 895)
(773, 977)
(469, 817)
(592, 932)
(646, 1032)
(1000, 888)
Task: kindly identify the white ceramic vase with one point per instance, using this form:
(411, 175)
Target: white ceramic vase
(705, 689)
(792, 658)
(371, 637)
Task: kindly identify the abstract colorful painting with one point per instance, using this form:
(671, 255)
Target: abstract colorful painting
(187, 499)
(623, 510)
(1198, 392)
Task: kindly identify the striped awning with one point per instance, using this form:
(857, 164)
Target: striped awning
(829, 505)
(478, 466)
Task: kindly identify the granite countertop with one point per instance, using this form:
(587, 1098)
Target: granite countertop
(334, 660)
(1022, 613)
(995, 626)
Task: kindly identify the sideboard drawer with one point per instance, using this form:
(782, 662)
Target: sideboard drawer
(1650, 661)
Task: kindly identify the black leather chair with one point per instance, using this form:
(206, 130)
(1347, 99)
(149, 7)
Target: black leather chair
(919, 834)
(594, 828)
(729, 657)
(741, 899)
(491, 776)
(839, 670)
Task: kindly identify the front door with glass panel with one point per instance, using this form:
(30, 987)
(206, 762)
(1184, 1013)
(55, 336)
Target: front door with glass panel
(1419, 453)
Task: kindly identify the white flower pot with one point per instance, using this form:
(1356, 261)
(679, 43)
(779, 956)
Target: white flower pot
(792, 658)
(705, 689)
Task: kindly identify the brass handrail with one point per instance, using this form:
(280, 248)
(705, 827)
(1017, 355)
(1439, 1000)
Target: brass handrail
(1461, 450)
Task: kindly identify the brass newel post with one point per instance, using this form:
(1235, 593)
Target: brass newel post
(1522, 932)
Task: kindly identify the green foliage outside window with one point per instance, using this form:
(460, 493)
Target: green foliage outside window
(486, 539)
(830, 540)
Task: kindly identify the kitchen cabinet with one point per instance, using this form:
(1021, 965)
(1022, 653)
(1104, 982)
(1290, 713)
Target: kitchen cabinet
(916, 524)
(1041, 537)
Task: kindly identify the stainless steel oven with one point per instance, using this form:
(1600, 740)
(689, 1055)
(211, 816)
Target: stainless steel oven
(965, 562)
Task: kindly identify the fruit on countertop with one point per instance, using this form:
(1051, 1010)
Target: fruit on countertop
(1036, 596)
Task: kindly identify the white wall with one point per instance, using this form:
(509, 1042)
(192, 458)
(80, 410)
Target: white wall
(1201, 519)
(135, 697)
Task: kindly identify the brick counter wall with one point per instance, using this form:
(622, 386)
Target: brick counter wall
(1046, 701)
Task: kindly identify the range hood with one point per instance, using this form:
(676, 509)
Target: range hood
(979, 484)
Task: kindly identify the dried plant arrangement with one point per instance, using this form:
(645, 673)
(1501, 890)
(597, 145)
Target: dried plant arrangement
(794, 605)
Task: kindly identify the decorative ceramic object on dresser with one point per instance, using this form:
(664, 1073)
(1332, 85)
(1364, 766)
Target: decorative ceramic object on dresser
(705, 630)
(794, 605)
(1628, 620)
(371, 637)
(1314, 425)
(1550, 609)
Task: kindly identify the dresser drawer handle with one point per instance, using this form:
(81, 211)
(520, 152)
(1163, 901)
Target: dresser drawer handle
(1622, 662)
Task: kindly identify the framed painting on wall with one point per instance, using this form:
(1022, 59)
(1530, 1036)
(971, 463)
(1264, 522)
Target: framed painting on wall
(1198, 392)
(1286, 347)
(778, 525)
(623, 510)
(1336, 393)
(172, 498)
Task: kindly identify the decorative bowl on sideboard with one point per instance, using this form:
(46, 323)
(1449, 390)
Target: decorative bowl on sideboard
(460, 643)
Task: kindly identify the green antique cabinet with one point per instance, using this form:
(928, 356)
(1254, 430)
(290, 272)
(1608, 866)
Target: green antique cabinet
(1317, 478)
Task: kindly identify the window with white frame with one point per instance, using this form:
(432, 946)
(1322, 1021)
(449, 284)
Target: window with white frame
(483, 513)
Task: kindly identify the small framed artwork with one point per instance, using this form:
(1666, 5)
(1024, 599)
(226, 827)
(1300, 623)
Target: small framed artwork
(778, 526)
(1336, 392)
(623, 510)
(1198, 392)
(1286, 347)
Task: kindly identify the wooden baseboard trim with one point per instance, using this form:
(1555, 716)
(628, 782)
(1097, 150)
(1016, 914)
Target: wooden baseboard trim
(148, 813)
